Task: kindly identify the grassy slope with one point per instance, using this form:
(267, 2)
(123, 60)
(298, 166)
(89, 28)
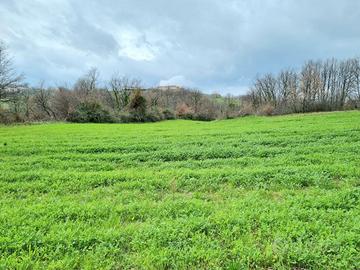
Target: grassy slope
(256, 192)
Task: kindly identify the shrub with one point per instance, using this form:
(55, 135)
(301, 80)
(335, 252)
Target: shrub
(153, 116)
(137, 107)
(183, 111)
(124, 117)
(203, 117)
(266, 109)
(90, 112)
(7, 117)
(168, 115)
(247, 109)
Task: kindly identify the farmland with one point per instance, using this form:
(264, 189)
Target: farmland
(256, 192)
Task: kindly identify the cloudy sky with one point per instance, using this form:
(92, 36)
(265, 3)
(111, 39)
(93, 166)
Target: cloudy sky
(214, 45)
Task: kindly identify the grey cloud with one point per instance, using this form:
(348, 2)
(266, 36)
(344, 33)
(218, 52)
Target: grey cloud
(87, 37)
(210, 44)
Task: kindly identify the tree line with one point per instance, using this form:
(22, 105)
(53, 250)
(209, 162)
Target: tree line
(319, 86)
(120, 99)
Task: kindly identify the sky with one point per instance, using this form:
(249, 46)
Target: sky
(213, 45)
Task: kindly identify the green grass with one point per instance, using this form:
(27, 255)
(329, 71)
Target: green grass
(256, 192)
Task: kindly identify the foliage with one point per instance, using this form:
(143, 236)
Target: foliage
(137, 107)
(250, 193)
(328, 85)
(168, 115)
(90, 112)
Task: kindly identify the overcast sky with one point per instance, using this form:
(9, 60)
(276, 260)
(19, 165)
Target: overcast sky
(209, 44)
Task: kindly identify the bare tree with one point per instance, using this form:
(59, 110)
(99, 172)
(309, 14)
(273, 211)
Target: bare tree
(42, 99)
(87, 85)
(310, 85)
(10, 81)
(287, 89)
(356, 77)
(121, 88)
(196, 96)
(62, 102)
(346, 81)
(154, 97)
(266, 88)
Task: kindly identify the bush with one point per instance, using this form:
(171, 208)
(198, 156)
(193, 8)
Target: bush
(168, 115)
(183, 111)
(246, 110)
(124, 117)
(266, 109)
(7, 117)
(154, 116)
(90, 112)
(203, 117)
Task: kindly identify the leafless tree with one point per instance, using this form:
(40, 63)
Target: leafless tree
(287, 87)
(266, 88)
(154, 97)
(121, 88)
(63, 102)
(346, 81)
(310, 84)
(86, 85)
(196, 96)
(356, 86)
(42, 99)
(319, 86)
(10, 81)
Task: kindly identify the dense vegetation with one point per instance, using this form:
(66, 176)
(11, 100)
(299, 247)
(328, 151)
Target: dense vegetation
(257, 192)
(318, 86)
(93, 100)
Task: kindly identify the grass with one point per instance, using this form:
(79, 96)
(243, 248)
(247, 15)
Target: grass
(250, 193)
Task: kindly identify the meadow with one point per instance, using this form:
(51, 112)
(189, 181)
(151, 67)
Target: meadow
(249, 193)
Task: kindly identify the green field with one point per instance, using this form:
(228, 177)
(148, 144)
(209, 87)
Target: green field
(256, 192)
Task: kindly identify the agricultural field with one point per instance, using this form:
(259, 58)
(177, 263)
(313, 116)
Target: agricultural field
(250, 193)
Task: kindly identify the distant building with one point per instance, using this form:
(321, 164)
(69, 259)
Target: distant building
(169, 87)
